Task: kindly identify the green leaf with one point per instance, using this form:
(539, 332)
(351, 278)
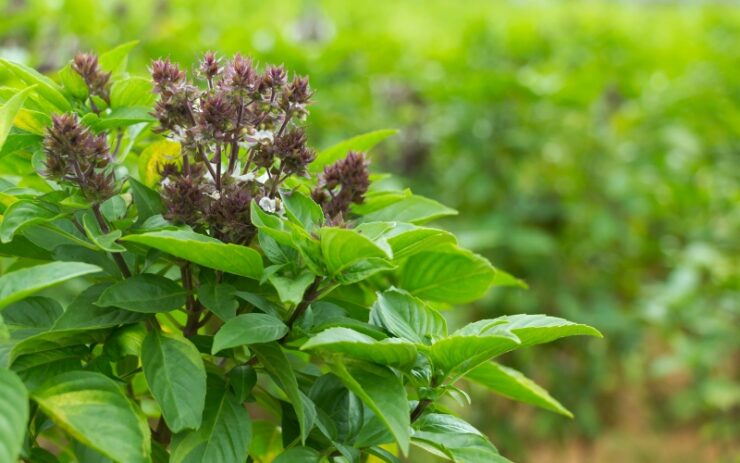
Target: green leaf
(383, 392)
(24, 213)
(73, 82)
(362, 142)
(459, 353)
(16, 285)
(449, 274)
(247, 329)
(13, 415)
(362, 269)
(203, 250)
(8, 111)
(116, 59)
(123, 117)
(93, 409)
(453, 438)
(514, 385)
(272, 357)
(408, 317)
(32, 315)
(133, 91)
(219, 299)
(406, 240)
(225, 434)
(412, 209)
(105, 241)
(340, 405)
(45, 87)
(83, 313)
(291, 289)
(298, 455)
(302, 210)
(174, 370)
(391, 351)
(538, 329)
(145, 293)
(148, 202)
(343, 247)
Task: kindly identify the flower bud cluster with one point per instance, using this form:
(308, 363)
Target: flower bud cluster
(74, 155)
(240, 137)
(97, 81)
(341, 184)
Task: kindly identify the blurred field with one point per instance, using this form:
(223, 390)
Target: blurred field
(592, 148)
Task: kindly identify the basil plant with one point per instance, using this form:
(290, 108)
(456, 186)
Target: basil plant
(184, 279)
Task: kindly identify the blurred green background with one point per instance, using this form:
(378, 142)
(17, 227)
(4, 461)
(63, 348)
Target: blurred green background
(592, 148)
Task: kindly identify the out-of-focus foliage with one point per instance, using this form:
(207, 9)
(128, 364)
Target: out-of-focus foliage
(593, 147)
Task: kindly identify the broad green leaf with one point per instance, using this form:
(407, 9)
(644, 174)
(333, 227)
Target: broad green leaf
(406, 240)
(13, 415)
(34, 122)
(225, 434)
(362, 142)
(45, 87)
(340, 405)
(83, 313)
(383, 392)
(24, 213)
(454, 439)
(203, 250)
(299, 455)
(37, 367)
(16, 285)
(448, 274)
(116, 59)
(174, 370)
(291, 289)
(362, 269)
(93, 409)
(242, 378)
(391, 351)
(147, 201)
(145, 293)
(412, 209)
(73, 83)
(133, 91)
(32, 315)
(247, 329)
(343, 247)
(123, 117)
(514, 385)
(219, 299)
(303, 210)
(538, 329)
(8, 111)
(408, 317)
(272, 357)
(457, 354)
(105, 241)
(20, 140)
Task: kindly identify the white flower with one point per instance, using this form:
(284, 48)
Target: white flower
(166, 181)
(263, 136)
(268, 204)
(274, 206)
(215, 195)
(263, 178)
(248, 177)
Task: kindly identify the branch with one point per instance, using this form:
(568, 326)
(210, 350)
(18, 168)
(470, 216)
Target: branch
(116, 256)
(309, 296)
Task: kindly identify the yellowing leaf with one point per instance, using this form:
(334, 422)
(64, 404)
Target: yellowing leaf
(154, 157)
